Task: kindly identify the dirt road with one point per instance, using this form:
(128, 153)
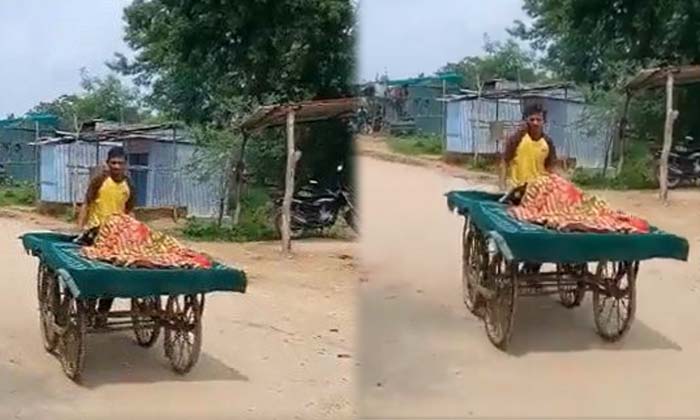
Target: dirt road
(267, 354)
(423, 356)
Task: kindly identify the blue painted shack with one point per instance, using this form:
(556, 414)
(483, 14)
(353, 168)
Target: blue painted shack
(160, 159)
(479, 124)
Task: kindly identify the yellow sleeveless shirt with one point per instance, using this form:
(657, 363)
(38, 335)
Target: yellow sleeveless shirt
(529, 161)
(111, 199)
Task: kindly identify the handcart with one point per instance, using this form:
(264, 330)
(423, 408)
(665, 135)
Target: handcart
(171, 300)
(502, 256)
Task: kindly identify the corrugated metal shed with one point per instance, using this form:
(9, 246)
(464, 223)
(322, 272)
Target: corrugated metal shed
(17, 154)
(167, 177)
(469, 123)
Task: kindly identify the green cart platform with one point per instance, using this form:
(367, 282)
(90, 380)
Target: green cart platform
(69, 285)
(502, 256)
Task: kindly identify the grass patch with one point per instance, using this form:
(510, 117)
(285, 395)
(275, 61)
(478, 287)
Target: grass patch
(416, 145)
(637, 173)
(17, 195)
(255, 222)
(483, 165)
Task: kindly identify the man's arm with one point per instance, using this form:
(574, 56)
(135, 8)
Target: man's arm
(131, 201)
(509, 149)
(550, 163)
(90, 197)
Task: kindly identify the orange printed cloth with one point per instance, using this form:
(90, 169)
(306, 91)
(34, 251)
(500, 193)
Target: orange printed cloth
(124, 241)
(557, 203)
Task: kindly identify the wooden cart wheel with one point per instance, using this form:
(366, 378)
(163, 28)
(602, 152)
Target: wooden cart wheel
(614, 298)
(182, 340)
(571, 296)
(499, 316)
(145, 319)
(40, 274)
(47, 287)
(472, 265)
(72, 339)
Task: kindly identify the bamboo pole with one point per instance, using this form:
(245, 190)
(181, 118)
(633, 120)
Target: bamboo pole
(292, 157)
(671, 116)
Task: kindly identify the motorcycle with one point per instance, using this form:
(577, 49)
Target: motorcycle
(683, 164)
(316, 210)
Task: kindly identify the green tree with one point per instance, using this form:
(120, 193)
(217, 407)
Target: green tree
(505, 60)
(603, 43)
(600, 42)
(107, 98)
(196, 55)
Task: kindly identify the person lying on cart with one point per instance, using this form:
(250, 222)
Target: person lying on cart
(109, 192)
(528, 154)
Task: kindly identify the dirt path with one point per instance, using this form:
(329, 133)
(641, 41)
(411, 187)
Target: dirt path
(423, 355)
(267, 354)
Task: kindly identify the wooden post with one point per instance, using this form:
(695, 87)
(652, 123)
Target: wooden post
(671, 116)
(292, 157)
(238, 179)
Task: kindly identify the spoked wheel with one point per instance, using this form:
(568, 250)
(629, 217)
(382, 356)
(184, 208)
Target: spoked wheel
(501, 278)
(614, 299)
(144, 315)
(571, 295)
(72, 340)
(183, 331)
(473, 253)
(49, 299)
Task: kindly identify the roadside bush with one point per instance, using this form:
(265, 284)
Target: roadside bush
(255, 224)
(416, 144)
(637, 173)
(23, 195)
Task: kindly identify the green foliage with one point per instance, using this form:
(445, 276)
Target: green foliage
(23, 195)
(483, 165)
(603, 42)
(195, 56)
(107, 98)
(255, 224)
(416, 144)
(637, 173)
(505, 60)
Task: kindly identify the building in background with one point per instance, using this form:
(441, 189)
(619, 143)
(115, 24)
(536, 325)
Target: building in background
(412, 105)
(161, 165)
(18, 155)
(478, 125)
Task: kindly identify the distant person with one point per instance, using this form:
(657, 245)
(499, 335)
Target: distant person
(109, 192)
(529, 153)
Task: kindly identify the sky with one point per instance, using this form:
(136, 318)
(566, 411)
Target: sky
(45, 43)
(409, 37)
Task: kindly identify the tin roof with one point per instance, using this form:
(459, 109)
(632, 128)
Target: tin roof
(304, 112)
(656, 77)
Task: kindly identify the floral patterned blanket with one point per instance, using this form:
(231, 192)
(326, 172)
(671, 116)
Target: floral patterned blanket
(124, 241)
(556, 203)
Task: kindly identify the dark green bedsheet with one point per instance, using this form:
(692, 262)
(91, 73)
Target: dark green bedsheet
(94, 279)
(533, 243)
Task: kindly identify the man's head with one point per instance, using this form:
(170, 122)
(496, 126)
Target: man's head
(116, 163)
(534, 117)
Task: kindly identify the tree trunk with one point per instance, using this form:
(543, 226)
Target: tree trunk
(671, 116)
(292, 157)
(238, 180)
(620, 137)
